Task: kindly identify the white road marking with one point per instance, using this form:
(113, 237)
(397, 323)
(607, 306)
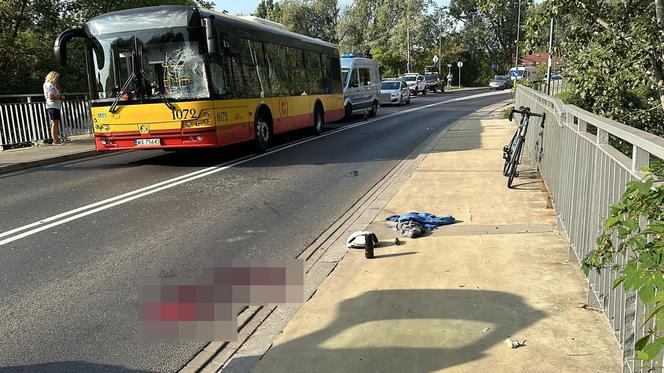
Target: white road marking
(108, 203)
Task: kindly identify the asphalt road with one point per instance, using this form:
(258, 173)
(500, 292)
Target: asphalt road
(68, 292)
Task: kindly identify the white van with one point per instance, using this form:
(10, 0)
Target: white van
(524, 73)
(361, 82)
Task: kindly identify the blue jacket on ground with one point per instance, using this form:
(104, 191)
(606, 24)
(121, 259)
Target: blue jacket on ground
(429, 221)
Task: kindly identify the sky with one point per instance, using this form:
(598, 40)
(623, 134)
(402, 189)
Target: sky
(249, 6)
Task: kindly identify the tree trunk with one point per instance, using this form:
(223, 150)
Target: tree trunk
(18, 20)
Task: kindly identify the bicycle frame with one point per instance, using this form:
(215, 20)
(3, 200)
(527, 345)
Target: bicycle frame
(512, 152)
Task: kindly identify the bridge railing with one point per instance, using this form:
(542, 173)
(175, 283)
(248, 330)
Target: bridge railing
(23, 118)
(584, 174)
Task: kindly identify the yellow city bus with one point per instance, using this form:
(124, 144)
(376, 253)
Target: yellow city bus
(182, 77)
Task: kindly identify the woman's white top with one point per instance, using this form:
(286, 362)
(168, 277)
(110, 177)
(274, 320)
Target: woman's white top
(51, 90)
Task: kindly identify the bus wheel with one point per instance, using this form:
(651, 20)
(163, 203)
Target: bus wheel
(319, 120)
(348, 111)
(263, 132)
(374, 109)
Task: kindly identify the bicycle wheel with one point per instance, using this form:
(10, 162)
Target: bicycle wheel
(515, 162)
(507, 154)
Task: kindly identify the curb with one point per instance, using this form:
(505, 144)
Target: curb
(46, 161)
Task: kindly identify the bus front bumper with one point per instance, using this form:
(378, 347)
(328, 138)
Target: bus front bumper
(198, 138)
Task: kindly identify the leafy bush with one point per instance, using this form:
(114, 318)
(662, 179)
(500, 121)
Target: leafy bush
(635, 230)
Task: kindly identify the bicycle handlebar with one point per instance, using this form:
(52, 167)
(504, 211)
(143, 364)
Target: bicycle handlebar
(523, 110)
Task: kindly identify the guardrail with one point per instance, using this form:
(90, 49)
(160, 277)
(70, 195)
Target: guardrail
(25, 121)
(557, 86)
(584, 174)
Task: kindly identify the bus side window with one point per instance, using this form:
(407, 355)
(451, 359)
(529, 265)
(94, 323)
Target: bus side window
(298, 77)
(261, 66)
(277, 73)
(222, 78)
(335, 78)
(250, 69)
(313, 72)
(326, 82)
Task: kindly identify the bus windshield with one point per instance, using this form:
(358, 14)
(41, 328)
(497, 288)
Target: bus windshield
(165, 61)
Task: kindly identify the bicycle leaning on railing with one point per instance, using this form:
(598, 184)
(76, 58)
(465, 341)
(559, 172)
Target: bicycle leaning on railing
(512, 151)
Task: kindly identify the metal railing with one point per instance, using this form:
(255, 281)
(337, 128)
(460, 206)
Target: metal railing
(584, 174)
(557, 86)
(25, 120)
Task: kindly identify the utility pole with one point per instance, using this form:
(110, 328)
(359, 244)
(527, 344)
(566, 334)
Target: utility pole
(550, 64)
(440, 60)
(408, 38)
(518, 29)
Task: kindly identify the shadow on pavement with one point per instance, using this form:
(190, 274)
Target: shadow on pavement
(414, 330)
(68, 366)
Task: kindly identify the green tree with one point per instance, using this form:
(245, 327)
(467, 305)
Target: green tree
(268, 9)
(613, 56)
(381, 27)
(315, 18)
(490, 28)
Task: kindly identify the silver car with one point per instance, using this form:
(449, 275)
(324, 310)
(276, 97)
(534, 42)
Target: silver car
(394, 92)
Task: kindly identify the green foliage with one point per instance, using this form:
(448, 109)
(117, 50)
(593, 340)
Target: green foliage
(490, 28)
(613, 56)
(635, 230)
(315, 18)
(381, 27)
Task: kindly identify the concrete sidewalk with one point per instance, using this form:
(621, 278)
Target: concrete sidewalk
(448, 301)
(39, 155)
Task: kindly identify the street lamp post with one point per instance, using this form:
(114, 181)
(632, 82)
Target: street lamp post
(550, 61)
(408, 38)
(518, 29)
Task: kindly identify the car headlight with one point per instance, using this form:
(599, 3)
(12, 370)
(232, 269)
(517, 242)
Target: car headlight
(395, 94)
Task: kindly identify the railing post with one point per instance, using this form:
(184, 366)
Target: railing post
(640, 158)
(602, 137)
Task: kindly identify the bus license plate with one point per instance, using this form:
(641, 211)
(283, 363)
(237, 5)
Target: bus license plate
(147, 142)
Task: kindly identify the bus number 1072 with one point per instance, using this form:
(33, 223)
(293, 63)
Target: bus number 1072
(184, 114)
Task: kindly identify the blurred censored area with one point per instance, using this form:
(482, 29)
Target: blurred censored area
(205, 308)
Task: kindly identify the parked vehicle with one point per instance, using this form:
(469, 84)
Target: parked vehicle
(416, 83)
(394, 91)
(500, 82)
(433, 83)
(361, 82)
(553, 77)
(523, 73)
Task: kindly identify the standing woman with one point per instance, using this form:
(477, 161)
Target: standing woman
(53, 103)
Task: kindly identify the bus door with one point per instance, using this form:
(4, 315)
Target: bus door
(231, 116)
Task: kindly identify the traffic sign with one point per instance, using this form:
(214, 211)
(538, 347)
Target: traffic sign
(514, 74)
(435, 59)
(460, 64)
(449, 65)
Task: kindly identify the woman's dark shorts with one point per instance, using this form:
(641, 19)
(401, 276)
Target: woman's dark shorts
(53, 114)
